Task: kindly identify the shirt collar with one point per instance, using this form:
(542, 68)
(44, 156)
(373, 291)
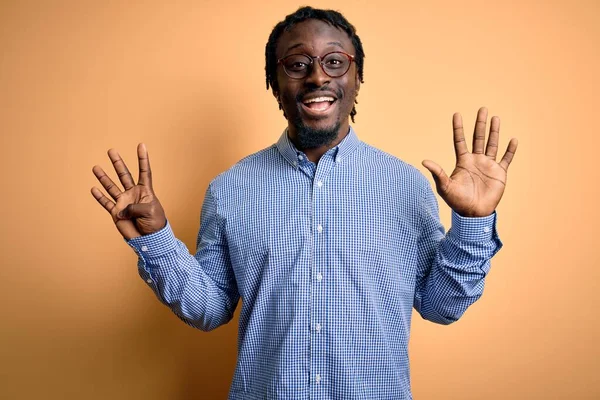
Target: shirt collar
(340, 152)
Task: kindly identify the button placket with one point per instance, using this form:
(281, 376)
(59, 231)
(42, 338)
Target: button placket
(319, 286)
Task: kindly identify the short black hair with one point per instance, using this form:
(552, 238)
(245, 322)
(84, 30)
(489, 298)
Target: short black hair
(333, 18)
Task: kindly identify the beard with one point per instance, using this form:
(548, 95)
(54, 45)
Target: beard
(311, 138)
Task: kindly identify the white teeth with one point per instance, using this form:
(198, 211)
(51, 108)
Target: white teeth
(319, 99)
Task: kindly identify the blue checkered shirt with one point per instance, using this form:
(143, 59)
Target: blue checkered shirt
(329, 260)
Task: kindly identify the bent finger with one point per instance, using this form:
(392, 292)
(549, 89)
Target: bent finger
(135, 211)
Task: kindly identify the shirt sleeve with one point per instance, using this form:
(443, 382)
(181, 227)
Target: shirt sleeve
(200, 289)
(452, 267)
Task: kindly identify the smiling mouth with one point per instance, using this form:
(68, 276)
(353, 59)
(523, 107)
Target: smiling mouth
(318, 105)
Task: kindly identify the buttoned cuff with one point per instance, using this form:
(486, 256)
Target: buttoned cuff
(155, 244)
(480, 229)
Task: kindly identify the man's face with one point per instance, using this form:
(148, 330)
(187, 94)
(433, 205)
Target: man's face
(314, 124)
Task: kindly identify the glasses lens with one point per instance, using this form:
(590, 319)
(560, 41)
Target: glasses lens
(297, 65)
(336, 64)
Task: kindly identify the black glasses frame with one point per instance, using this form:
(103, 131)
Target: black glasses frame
(312, 63)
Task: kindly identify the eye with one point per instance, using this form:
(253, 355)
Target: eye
(335, 61)
(297, 65)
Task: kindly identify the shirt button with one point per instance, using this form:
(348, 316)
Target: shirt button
(319, 277)
(149, 280)
(486, 229)
(318, 327)
(318, 378)
(144, 248)
(319, 228)
(300, 158)
(338, 160)
(295, 163)
(319, 184)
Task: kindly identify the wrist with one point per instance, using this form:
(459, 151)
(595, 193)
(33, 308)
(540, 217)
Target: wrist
(465, 213)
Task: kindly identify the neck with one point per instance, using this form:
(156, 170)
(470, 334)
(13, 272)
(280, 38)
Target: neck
(314, 154)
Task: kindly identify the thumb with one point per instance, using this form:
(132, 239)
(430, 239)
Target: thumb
(439, 176)
(134, 211)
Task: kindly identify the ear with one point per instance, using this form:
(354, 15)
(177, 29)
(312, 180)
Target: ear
(357, 83)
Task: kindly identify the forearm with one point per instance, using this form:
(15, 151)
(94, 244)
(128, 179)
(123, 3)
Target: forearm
(181, 282)
(460, 263)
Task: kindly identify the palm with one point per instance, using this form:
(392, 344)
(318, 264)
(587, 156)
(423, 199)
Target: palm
(144, 214)
(477, 183)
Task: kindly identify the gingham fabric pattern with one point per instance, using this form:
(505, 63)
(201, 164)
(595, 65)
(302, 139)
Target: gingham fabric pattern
(329, 260)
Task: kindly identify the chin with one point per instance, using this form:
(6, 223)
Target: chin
(315, 133)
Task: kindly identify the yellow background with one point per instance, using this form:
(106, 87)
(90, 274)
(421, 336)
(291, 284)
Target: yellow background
(187, 78)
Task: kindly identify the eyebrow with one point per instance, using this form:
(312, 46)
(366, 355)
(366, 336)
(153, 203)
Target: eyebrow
(338, 44)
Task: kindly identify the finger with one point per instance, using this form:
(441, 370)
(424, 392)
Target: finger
(135, 211)
(439, 176)
(121, 169)
(492, 145)
(103, 200)
(460, 146)
(145, 178)
(106, 182)
(479, 132)
(510, 153)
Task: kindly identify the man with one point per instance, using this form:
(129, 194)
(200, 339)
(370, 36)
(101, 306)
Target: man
(328, 241)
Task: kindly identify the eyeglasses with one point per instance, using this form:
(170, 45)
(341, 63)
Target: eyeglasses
(299, 66)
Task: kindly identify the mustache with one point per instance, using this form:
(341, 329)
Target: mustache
(338, 93)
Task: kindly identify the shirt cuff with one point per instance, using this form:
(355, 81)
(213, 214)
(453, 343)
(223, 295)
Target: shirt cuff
(480, 229)
(155, 244)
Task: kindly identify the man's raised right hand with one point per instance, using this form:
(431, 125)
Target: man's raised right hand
(135, 211)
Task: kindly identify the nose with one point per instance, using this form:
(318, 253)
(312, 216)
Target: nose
(317, 76)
